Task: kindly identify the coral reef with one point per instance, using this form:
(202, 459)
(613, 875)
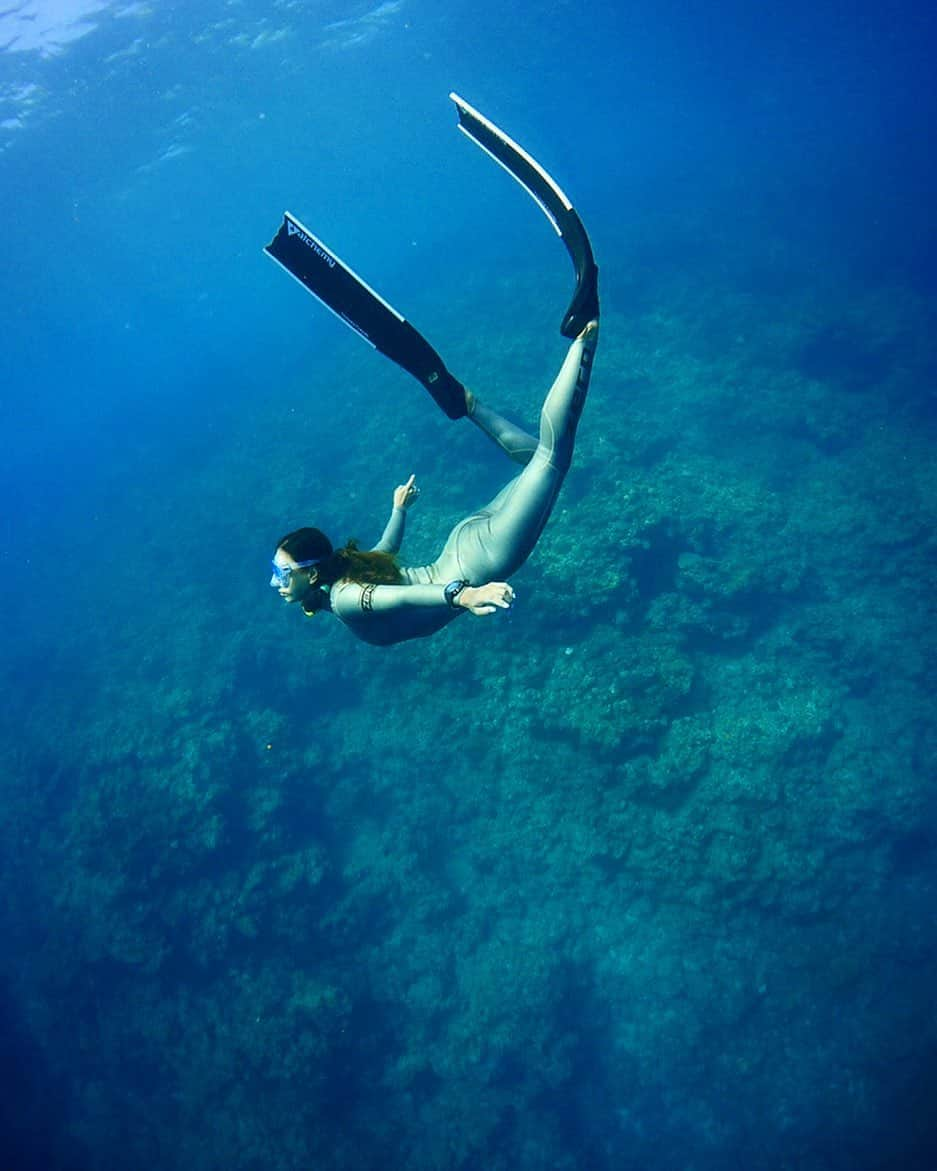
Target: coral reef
(645, 867)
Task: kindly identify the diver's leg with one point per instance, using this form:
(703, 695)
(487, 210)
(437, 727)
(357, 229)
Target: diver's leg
(518, 444)
(495, 542)
(562, 408)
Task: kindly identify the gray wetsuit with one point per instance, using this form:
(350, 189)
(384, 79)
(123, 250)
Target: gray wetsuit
(492, 543)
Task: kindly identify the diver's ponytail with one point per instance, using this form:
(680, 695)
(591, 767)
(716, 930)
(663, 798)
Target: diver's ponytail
(367, 568)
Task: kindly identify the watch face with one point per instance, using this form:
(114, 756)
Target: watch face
(452, 591)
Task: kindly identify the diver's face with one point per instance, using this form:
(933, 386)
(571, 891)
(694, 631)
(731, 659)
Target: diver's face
(290, 580)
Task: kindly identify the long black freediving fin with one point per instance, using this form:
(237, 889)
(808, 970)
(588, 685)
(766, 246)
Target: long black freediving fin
(320, 271)
(323, 274)
(584, 306)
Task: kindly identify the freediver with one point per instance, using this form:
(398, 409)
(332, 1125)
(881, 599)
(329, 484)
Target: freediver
(380, 601)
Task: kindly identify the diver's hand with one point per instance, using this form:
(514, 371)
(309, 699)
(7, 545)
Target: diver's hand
(406, 494)
(485, 599)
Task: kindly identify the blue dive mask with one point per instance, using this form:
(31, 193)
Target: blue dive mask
(282, 574)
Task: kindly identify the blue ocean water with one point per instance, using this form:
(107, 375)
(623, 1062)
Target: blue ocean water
(640, 875)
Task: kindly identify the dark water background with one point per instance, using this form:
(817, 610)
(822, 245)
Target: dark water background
(643, 875)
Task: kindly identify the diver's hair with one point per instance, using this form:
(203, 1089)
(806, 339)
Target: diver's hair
(306, 545)
(368, 568)
(350, 562)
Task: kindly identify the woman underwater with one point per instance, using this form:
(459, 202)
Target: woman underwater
(380, 601)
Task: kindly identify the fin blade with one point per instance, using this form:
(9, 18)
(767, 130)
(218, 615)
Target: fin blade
(552, 200)
(353, 301)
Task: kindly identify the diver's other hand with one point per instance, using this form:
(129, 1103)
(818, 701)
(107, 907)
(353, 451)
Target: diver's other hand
(485, 599)
(406, 494)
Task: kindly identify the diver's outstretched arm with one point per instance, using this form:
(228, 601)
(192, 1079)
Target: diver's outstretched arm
(405, 495)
